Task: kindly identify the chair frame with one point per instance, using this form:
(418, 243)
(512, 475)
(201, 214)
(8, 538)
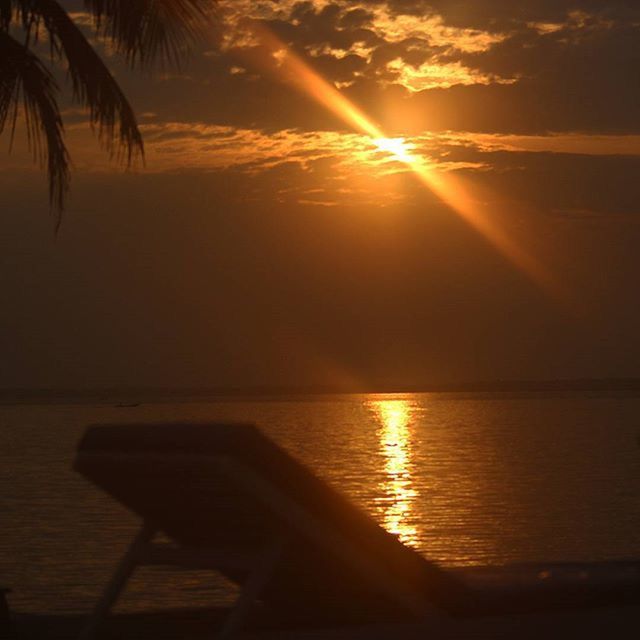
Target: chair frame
(260, 565)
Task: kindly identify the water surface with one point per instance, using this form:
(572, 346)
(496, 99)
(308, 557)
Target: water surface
(465, 479)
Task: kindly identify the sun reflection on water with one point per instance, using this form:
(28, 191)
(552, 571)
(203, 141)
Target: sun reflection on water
(397, 487)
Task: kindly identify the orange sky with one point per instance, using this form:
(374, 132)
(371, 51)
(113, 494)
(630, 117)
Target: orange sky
(499, 242)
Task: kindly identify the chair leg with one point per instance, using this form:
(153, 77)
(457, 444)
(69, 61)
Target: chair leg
(119, 579)
(252, 588)
(6, 627)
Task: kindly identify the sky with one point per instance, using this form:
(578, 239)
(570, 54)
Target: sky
(367, 194)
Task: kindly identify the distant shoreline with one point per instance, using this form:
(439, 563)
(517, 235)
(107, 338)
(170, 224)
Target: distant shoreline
(606, 387)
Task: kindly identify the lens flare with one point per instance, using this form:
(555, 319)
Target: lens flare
(454, 191)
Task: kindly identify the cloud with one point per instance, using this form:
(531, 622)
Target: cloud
(506, 15)
(568, 172)
(548, 174)
(425, 71)
(330, 32)
(492, 66)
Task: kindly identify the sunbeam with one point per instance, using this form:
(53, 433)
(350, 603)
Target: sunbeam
(452, 190)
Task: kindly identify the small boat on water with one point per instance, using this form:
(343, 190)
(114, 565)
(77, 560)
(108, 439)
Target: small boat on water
(122, 405)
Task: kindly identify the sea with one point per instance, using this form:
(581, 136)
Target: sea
(464, 478)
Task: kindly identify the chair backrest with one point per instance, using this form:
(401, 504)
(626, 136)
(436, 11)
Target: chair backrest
(227, 485)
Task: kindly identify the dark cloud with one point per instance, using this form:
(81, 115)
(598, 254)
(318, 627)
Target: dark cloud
(413, 51)
(578, 77)
(584, 76)
(561, 183)
(501, 15)
(590, 83)
(355, 18)
(329, 26)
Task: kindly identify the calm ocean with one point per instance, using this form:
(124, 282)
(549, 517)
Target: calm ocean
(464, 478)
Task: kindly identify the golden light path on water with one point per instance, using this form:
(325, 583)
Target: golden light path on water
(394, 417)
(452, 190)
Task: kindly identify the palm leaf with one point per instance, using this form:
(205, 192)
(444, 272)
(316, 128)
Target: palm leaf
(24, 78)
(93, 84)
(146, 31)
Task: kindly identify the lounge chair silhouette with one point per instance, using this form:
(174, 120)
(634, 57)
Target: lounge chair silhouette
(230, 499)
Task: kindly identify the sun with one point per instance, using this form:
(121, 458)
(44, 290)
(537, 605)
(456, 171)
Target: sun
(397, 147)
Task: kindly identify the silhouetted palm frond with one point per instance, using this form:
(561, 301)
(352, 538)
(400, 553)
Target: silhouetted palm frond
(93, 84)
(146, 31)
(24, 78)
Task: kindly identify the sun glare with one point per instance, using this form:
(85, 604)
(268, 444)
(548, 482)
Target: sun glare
(397, 147)
(453, 190)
